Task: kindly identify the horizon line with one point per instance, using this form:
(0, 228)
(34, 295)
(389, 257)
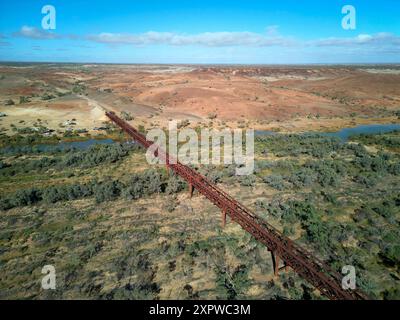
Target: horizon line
(203, 64)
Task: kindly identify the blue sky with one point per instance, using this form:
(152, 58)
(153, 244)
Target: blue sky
(244, 32)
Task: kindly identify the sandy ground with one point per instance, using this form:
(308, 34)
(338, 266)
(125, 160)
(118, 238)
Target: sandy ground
(55, 113)
(271, 98)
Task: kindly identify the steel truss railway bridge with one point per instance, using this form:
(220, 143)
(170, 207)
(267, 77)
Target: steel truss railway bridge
(309, 267)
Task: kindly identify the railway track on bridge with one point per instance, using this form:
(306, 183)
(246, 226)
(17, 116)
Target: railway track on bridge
(309, 267)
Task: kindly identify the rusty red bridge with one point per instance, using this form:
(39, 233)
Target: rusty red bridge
(316, 272)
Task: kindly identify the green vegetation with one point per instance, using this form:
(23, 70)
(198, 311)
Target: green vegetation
(183, 124)
(9, 102)
(70, 158)
(343, 200)
(119, 229)
(23, 99)
(79, 88)
(48, 96)
(388, 140)
(127, 116)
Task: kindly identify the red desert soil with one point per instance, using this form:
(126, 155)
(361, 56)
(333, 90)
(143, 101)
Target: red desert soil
(233, 94)
(253, 94)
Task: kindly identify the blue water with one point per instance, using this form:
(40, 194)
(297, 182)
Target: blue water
(80, 145)
(346, 133)
(343, 135)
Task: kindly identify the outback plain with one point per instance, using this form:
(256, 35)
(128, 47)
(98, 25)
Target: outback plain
(76, 195)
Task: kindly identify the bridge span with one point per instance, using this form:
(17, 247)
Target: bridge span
(292, 255)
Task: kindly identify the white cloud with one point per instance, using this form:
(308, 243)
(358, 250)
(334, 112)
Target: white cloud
(368, 43)
(245, 39)
(382, 39)
(35, 33)
(207, 39)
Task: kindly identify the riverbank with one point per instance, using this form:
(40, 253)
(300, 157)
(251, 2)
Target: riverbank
(303, 125)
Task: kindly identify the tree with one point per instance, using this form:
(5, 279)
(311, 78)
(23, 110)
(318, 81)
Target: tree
(248, 181)
(171, 203)
(392, 294)
(23, 99)
(392, 254)
(183, 124)
(127, 116)
(47, 96)
(152, 181)
(175, 185)
(107, 191)
(288, 230)
(231, 285)
(275, 181)
(3, 165)
(51, 195)
(26, 197)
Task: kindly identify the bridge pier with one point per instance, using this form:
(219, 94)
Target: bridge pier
(223, 212)
(191, 189)
(167, 166)
(275, 263)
